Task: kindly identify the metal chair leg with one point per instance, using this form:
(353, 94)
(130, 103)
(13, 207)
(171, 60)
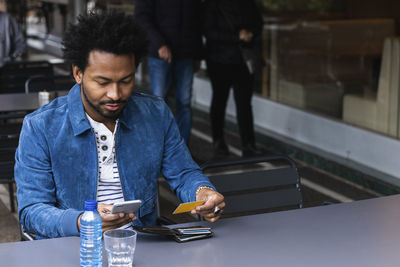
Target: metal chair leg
(11, 194)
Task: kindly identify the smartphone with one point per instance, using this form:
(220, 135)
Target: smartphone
(131, 206)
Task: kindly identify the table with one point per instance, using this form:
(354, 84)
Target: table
(18, 102)
(21, 101)
(363, 233)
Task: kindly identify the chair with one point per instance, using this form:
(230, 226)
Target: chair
(161, 220)
(63, 82)
(7, 177)
(5, 116)
(7, 155)
(8, 144)
(39, 83)
(13, 75)
(257, 186)
(56, 83)
(10, 131)
(25, 235)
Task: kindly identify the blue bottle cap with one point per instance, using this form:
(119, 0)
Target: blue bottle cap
(90, 205)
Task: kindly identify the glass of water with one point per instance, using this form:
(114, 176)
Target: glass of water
(120, 246)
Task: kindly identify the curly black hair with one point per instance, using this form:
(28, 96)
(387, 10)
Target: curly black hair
(109, 32)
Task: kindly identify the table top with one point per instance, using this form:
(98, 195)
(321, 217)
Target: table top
(363, 233)
(21, 101)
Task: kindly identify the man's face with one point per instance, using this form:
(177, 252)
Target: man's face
(107, 83)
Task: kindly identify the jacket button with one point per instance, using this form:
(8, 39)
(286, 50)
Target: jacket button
(104, 148)
(103, 137)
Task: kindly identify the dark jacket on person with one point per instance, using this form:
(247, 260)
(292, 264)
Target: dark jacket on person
(175, 23)
(223, 19)
(12, 42)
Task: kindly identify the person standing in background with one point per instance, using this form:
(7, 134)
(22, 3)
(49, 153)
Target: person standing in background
(12, 42)
(228, 26)
(174, 30)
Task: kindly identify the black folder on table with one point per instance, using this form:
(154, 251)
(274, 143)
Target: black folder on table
(179, 234)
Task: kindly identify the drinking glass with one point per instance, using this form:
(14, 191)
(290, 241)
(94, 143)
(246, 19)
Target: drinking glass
(120, 246)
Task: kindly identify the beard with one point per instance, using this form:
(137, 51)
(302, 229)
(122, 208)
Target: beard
(110, 115)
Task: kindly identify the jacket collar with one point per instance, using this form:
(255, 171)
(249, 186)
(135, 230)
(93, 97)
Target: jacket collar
(76, 112)
(78, 118)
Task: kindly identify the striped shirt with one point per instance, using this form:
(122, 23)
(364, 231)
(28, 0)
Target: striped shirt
(109, 189)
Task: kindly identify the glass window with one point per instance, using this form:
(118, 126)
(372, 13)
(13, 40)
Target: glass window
(331, 58)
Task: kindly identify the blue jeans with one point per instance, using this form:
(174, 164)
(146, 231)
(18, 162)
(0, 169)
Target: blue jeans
(162, 74)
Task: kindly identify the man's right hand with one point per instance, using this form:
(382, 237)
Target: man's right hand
(111, 221)
(165, 53)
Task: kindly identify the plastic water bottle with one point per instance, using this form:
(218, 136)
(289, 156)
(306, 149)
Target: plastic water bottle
(91, 245)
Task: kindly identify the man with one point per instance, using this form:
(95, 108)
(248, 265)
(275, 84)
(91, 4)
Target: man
(103, 141)
(174, 30)
(12, 42)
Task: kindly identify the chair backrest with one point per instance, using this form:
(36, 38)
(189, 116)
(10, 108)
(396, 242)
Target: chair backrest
(7, 155)
(10, 130)
(39, 83)
(8, 143)
(63, 82)
(13, 75)
(7, 169)
(263, 187)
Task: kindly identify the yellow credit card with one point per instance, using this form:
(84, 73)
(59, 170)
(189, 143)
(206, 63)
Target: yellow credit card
(188, 206)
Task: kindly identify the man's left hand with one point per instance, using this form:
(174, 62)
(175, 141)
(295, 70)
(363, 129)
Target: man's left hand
(212, 200)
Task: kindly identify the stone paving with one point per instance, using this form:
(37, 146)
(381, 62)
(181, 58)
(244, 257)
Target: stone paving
(9, 226)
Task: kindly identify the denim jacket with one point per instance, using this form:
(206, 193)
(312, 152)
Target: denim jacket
(56, 167)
